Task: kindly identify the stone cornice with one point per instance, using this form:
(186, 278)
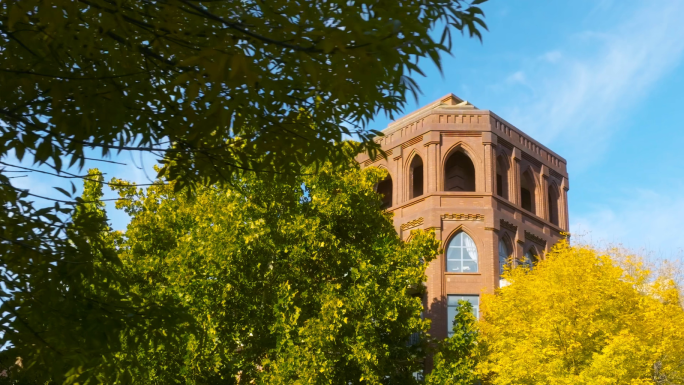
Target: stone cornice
(462, 217)
(534, 238)
(379, 157)
(507, 225)
(414, 223)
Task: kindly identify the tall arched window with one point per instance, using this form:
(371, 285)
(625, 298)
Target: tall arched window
(502, 177)
(527, 189)
(529, 258)
(459, 173)
(504, 258)
(553, 204)
(385, 190)
(461, 255)
(416, 177)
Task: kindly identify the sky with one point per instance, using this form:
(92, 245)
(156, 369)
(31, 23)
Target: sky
(599, 82)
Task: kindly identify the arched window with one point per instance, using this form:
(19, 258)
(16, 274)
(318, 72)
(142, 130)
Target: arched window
(502, 177)
(385, 190)
(459, 173)
(553, 204)
(529, 258)
(461, 255)
(504, 258)
(416, 177)
(527, 187)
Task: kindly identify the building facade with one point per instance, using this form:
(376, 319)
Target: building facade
(492, 194)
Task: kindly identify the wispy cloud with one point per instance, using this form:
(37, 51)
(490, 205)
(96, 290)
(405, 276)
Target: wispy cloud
(640, 219)
(580, 89)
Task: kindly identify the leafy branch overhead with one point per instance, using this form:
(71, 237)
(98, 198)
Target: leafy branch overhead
(213, 87)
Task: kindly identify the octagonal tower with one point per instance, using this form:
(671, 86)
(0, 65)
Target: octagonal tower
(492, 194)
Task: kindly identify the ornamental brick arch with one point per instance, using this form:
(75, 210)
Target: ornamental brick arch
(503, 175)
(553, 199)
(459, 169)
(507, 255)
(386, 188)
(414, 185)
(529, 191)
(477, 243)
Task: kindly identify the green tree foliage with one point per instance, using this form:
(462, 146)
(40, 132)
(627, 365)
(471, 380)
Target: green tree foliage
(64, 295)
(302, 282)
(456, 358)
(277, 282)
(215, 86)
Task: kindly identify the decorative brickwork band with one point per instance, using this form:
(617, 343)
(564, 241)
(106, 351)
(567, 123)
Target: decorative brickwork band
(413, 223)
(413, 141)
(555, 174)
(508, 225)
(536, 239)
(462, 217)
(377, 158)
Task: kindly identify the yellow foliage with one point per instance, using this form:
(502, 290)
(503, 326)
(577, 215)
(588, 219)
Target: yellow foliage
(579, 317)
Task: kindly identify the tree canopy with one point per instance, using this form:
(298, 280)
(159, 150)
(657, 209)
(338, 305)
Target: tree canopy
(277, 282)
(456, 358)
(213, 87)
(580, 317)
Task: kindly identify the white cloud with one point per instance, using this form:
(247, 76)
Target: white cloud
(552, 56)
(641, 219)
(581, 94)
(517, 77)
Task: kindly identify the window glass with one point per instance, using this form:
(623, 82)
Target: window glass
(462, 254)
(503, 256)
(530, 257)
(452, 304)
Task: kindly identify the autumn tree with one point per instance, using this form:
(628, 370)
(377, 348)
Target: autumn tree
(581, 317)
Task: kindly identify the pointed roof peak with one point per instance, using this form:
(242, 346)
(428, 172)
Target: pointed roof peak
(449, 101)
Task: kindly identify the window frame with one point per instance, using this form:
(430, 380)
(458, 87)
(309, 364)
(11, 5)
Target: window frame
(450, 306)
(461, 249)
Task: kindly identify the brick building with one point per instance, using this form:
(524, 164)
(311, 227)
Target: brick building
(491, 193)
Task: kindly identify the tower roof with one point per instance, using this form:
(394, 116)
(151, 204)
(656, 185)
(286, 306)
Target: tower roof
(448, 101)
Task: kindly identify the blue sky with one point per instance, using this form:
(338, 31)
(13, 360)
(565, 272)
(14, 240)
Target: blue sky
(599, 82)
(602, 84)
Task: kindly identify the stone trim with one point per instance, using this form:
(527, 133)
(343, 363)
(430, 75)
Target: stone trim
(555, 174)
(377, 158)
(536, 239)
(494, 229)
(462, 217)
(451, 134)
(413, 203)
(412, 224)
(504, 143)
(531, 159)
(508, 225)
(411, 142)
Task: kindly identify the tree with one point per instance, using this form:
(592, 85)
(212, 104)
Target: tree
(580, 317)
(284, 282)
(456, 358)
(214, 87)
(67, 299)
